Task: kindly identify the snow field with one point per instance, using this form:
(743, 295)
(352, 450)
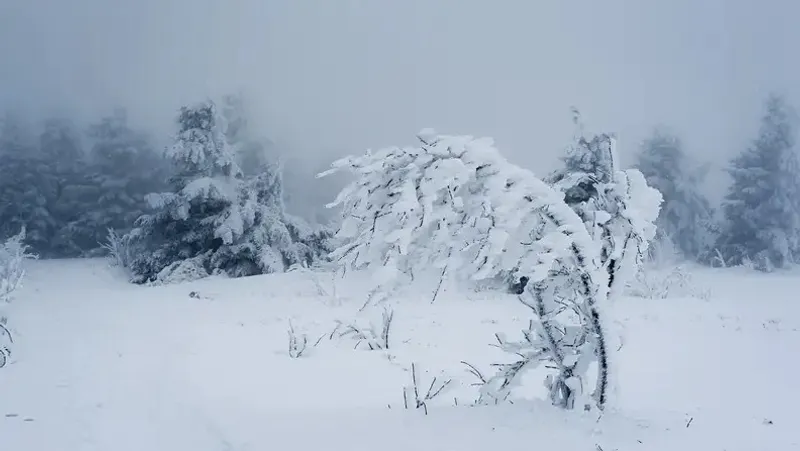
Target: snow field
(100, 364)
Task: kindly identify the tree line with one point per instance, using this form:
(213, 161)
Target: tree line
(68, 188)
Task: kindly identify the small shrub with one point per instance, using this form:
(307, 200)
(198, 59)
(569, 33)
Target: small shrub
(414, 398)
(12, 255)
(369, 336)
(297, 343)
(119, 249)
(652, 283)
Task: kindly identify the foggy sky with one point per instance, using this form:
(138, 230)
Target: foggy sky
(337, 76)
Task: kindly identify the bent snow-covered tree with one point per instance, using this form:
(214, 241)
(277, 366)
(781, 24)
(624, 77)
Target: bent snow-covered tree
(456, 204)
(617, 207)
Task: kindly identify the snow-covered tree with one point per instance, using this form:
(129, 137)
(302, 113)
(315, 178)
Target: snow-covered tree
(617, 207)
(12, 254)
(65, 198)
(23, 194)
(60, 143)
(251, 150)
(124, 168)
(34, 177)
(199, 214)
(454, 203)
(290, 239)
(276, 241)
(68, 189)
(762, 207)
(686, 219)
(44, 187)
(213, 219)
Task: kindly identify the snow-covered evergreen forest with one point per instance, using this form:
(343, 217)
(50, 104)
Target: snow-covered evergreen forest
(213, 200)
(235, 258)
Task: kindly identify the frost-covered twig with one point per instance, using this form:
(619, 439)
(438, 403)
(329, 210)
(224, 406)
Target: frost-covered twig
(414, 398)
(297, 345)
(370, 337)
(486, 392)
(475, 372)
(719, 260)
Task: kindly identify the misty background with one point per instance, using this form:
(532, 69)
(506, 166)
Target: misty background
(328, 78)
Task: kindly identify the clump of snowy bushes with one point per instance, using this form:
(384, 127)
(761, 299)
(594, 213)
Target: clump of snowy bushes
(455, 204)
(12, 254)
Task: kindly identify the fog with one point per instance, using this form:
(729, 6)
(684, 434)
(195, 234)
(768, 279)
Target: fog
(333, 77)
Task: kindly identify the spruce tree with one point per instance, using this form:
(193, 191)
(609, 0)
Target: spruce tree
(69, 188)
(686, 216)
(23, 200)
(193, 219)
(124, 168)
(762, 207)
(249, 148)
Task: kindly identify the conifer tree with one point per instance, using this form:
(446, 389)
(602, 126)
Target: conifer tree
(194, 218)
(762, 207)
(68, 192)
(23, 201)
(124, 168)
(214, 219)
(686, 219)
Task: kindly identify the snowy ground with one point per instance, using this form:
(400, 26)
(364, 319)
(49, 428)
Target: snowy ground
(103, 365)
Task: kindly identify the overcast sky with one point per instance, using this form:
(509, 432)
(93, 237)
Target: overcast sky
(335, 76)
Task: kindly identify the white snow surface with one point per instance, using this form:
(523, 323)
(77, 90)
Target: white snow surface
(100, 364)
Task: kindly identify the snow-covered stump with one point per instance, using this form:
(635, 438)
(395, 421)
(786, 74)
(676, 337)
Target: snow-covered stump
(455, 204)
